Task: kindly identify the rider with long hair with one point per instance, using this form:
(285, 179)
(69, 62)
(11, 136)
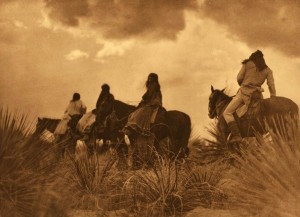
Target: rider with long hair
(252, 75)
(145, 114)
(104, 105)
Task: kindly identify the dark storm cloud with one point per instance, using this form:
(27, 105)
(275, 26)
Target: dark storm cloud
(68, 12)
(124, 18)
(259, 23)
(2, 2)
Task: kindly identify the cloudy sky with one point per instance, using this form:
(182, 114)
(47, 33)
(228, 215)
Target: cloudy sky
(50, 49)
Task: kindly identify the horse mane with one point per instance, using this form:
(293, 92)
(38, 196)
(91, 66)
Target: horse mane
(223, 95)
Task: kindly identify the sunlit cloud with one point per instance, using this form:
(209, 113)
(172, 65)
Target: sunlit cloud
(19, 24)
(76, 54)
(111, 49)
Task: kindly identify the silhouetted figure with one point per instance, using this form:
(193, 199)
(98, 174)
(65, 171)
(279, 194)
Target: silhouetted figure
(104, 105)
(145, 114)
(252, 75)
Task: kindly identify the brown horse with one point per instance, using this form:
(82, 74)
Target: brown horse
(257, 119)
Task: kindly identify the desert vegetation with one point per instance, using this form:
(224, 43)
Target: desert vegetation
(262, 179)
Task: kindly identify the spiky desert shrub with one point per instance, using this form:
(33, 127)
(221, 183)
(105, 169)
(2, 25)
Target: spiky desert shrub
(28, 179)
(202, 186)
(267, 180)
(171, 189)
(210, 150)
(97, 183)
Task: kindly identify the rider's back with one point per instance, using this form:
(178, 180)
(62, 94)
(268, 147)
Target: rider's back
(251, 79)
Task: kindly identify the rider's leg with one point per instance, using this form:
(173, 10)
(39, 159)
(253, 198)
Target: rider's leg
(229, 118)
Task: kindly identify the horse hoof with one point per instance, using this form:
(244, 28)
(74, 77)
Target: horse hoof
(99, 142)
(127, 140)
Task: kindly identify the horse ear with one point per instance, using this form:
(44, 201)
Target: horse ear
(223, 90)
(39, 119)
(212, 88)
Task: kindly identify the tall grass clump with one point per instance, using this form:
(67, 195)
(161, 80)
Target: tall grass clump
(267, 180)
(97, 185)
(215, 149)
(171, 189)
(29, 181)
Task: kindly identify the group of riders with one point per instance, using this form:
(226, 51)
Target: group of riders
(139, 121)
(253, 74)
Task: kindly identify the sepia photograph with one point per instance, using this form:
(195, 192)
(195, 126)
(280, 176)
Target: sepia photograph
(149, 108)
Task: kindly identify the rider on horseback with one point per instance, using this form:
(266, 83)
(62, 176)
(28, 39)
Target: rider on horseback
(104, 106)
(145, 114)
(75, 110)
(252, 75)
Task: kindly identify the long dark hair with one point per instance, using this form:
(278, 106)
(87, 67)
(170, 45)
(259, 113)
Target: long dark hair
(76, 96)
(152, 77)
(258, 59)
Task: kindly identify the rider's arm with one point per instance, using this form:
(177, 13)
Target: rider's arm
(271, 83)
(241, 74)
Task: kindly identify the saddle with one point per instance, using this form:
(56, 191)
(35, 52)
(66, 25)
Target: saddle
(252, 110)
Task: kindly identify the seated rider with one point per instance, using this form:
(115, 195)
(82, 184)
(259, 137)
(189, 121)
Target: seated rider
(104, 106)
(76, 109)
(145, 114)
(252, 75)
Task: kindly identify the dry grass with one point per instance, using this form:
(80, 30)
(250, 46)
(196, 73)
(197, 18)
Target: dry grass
(33, 183)
(267, 182)
(29, 179)
(96, 182)
(172, 189)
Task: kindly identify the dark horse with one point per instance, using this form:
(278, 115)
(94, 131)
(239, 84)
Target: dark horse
(50, 124)
(254, 120)
(176, 125)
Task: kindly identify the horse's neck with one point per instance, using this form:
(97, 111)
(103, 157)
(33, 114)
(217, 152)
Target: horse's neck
(122, 109)
(222, 103)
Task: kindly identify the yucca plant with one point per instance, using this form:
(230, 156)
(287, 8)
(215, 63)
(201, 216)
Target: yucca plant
(202, 186)
(154, 192)
(96, 183)
(27, 177)
(173, 189)
(267, 181)
(209, 150)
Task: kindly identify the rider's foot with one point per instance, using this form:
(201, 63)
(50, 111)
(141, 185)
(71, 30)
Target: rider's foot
(235, 138)
(235, 132)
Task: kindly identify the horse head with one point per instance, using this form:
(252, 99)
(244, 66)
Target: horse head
(46, 124)
(215, 97)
